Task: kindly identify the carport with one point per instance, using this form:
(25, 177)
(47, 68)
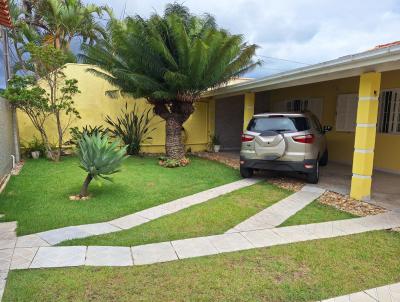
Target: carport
(356, 94)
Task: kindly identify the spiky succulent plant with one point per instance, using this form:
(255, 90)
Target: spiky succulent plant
(98, 157)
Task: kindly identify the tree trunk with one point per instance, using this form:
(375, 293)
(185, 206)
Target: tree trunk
(47, 145)
(60, 135)
(84, 190)
(174, 146)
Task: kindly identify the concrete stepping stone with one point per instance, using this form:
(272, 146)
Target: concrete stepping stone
(128, 222)
(263, 238)
(8, 226)
(230, 242)
(56, 236)
(5, 259)
(279, 212)
(7, 244)
(194, 247)
(99, 228)
(387, 293)
(22, 257)
(108, 256)
(30, 241)
(62, 256)
(153, 253)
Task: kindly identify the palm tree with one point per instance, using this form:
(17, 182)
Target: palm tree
(60, 21)
(170, 60)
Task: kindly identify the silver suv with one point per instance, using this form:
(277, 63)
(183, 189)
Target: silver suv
(284, 142)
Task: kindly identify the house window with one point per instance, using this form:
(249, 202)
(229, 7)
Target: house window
(300, 105)
(346, 112)
(389, 111)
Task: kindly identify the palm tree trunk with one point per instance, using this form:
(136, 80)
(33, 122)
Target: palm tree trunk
(173, 138)
(84, 190)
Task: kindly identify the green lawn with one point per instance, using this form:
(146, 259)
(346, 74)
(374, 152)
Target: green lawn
(306, 271)
(38, 197)
(213, 217)
(316, 212)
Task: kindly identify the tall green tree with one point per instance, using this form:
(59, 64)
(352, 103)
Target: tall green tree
(59, 21)
(49, 64)
(53, 22)
(170, 60)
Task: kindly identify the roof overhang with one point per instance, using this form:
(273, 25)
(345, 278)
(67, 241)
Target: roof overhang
(5, 18)
(380, 60)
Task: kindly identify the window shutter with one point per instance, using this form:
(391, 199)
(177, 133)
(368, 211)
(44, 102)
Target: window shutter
(346, 112)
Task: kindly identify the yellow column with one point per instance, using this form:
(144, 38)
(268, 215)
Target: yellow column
(249, 100)
(367, 115)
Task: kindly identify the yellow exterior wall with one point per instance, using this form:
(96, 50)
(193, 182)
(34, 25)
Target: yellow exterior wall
(341, 144)
(248, 112)
(93, 106)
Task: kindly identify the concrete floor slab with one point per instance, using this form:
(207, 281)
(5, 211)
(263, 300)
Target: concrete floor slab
(230, 242)
(194, 247)
(264, 238)
(153, 253)
(22, 257)
(58, 235)
(99, 228)
(108, 256)
(62, 256)
(129, 221)
(30, 241)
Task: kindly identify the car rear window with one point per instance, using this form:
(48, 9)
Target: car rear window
(279, 123)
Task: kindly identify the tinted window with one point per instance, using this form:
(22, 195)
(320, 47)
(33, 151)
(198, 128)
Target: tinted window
(281, 124)
(318, 125)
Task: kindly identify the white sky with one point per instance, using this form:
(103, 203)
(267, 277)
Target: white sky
(308, 31)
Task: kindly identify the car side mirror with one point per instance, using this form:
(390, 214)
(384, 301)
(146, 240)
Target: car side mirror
(327, 128)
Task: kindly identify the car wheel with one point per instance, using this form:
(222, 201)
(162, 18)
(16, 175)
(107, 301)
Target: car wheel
(246, 172)
(324, 159)
(313, 177)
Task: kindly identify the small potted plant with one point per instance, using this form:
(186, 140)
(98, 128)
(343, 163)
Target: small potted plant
(35, 148)
(215, 142)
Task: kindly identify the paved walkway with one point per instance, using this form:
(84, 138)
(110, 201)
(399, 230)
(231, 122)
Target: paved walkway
(45, 257)
(276, 214)
(56, 236)
(8, 239)
(387, 293)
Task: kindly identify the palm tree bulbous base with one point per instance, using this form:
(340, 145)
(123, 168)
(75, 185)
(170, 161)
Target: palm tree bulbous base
(174, 147)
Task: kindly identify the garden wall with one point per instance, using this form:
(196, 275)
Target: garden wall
(93, 106)
(6, 139)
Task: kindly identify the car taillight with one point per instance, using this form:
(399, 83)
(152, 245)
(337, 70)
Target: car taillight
(247, 138)
(305, 139)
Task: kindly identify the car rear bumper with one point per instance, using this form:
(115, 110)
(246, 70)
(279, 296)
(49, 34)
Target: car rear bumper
(277, 165)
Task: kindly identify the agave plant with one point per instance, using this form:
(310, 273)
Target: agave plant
(133, 128)
(98, 158)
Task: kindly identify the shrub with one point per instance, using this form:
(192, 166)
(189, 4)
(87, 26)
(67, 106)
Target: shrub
(98, 157)
(133, 128)
(77, 134)
(173, 163)
(35, 145)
